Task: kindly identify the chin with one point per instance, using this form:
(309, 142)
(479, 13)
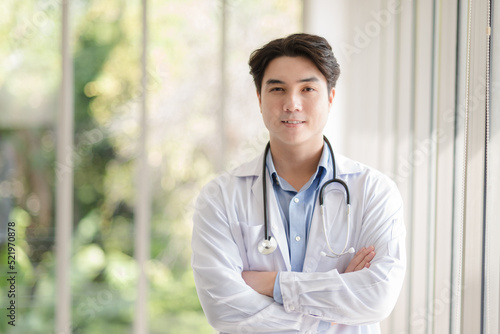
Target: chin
(295, 140)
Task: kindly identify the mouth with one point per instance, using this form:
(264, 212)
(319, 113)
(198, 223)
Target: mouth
(292, 122)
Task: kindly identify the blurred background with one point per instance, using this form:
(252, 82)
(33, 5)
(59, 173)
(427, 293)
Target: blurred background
(114, 114)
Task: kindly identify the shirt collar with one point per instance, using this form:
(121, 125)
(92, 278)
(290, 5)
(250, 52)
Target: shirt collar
(345, 166)
(321, 170)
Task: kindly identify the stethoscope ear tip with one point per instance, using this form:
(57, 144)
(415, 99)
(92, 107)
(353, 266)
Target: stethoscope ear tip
(351, 250)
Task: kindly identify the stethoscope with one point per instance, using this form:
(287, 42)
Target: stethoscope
(269, 244)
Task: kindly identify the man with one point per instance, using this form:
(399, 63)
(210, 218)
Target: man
(304, 278)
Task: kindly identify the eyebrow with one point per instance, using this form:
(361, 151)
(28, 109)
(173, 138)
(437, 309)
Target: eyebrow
(311, 79)
(279, 82)
(274, 82)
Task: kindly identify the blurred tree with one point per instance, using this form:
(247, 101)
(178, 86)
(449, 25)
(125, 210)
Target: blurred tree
(183, 94)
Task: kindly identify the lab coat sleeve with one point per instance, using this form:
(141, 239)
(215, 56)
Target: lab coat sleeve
(218, 259)
(366, 296)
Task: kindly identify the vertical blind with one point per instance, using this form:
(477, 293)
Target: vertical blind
(428, 119)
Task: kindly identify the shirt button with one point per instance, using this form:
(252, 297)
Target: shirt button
(297, 238)
(296, 200)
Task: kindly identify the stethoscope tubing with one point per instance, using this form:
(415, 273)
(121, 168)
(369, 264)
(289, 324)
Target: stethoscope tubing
(264, 192)
(268, 245)
(334, 179)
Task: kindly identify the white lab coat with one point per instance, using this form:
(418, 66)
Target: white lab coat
(228, 225)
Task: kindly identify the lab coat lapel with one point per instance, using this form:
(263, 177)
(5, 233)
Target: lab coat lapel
(317, 242)
(277, 229)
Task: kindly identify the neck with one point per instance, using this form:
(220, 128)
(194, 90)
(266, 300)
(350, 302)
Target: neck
(296, 163)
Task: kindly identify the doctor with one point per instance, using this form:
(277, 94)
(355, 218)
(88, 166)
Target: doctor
(301, 286)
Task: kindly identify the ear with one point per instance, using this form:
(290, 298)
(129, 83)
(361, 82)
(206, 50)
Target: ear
(331, 96)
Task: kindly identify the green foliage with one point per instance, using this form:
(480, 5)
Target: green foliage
(183, 95)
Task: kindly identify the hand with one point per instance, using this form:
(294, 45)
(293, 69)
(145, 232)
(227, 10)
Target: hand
(361, 259)
(260, 281)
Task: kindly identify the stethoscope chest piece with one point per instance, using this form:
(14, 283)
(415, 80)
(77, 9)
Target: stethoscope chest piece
(267, 246)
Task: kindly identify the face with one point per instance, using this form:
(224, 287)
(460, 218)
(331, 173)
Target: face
(294, 101)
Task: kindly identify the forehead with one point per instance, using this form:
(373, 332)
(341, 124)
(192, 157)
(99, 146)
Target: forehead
(291, 69)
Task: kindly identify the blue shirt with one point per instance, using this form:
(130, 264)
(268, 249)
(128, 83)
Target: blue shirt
(296, 210)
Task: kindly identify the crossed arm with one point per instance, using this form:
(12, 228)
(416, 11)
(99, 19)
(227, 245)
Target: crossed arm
(234, 301)
(263, 281)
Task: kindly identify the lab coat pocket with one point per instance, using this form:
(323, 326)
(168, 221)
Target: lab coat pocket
(252, 236)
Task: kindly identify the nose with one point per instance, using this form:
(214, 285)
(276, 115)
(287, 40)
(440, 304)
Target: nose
(292, 102)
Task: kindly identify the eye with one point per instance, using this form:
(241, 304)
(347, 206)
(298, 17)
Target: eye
(309, 89)
(276, 89)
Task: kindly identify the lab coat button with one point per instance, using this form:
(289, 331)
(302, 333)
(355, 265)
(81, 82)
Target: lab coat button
(291, 307)
(296, 200)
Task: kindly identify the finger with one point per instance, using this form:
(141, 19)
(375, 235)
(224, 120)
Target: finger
(366, 260)
(369, 254)
(355, 261)
(362, 257)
